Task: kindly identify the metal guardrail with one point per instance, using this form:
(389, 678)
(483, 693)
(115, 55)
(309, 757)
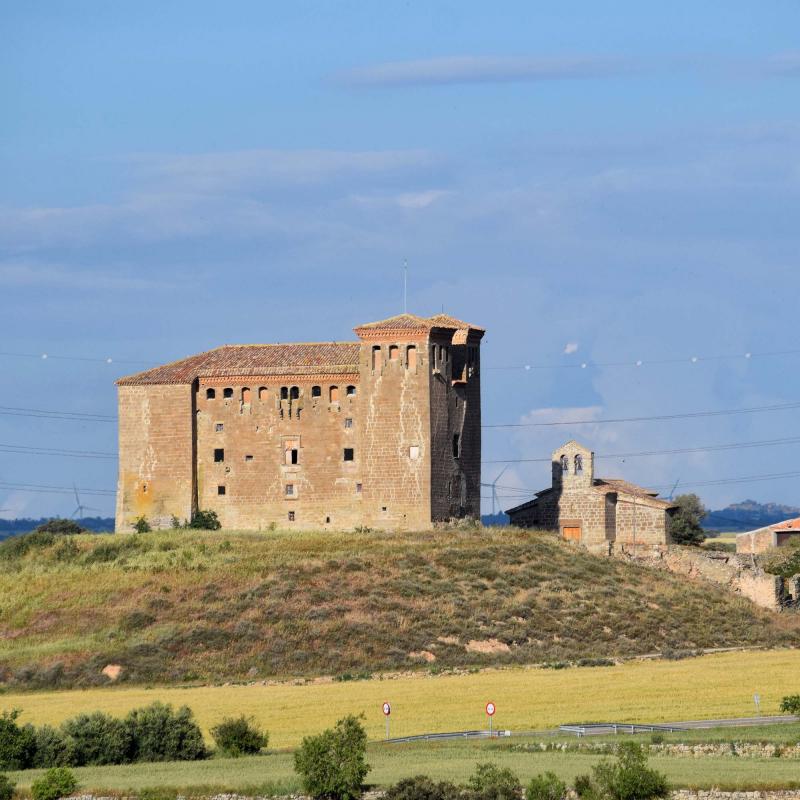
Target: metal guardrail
(482, 734)
(601, 728)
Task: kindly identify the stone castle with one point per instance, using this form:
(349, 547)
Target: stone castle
(383, 432)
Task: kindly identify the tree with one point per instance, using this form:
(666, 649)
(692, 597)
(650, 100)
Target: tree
(157, 733)
(17, 742)
(684, 526)
(6, 787)
(61, 527)
(99, 739)
(546, 787)
(627, 778)
(239, 737)
(332, 764)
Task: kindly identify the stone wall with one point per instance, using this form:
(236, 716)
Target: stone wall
(156, 454)
(755, 541)
(647, 524)
(740, 574)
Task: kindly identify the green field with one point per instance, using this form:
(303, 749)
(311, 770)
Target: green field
(443, 760)
(190, 607)
(720, 685)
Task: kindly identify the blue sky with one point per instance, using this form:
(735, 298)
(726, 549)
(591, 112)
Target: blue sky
(592, 183)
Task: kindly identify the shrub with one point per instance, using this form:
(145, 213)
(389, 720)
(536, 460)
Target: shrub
(6, 787)
(52, 748)
(629, 777)
(98, 739)
(60, 527)
(684, 525)
(157, 733)
(56, 782)
(142, 525)
(205, 520)
(584, 787)
(791, 704)
(17, 743)
(490, 782)
(332, 764)
(421, 787)
(238, 737)
(15, 547)
(546, 787)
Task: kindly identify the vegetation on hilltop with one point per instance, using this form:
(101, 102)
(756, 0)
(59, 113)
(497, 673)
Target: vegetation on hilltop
(191, 606)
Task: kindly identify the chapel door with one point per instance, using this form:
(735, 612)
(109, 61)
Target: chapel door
(572, 533)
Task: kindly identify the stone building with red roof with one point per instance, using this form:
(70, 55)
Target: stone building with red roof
(383, 432)
(763, 539)
(599, 513)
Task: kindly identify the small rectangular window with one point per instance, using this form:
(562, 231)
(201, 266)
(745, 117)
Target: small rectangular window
(248, 458)
(376, 356)
(456, 445)
(291, 516)
(290, 490)
(394, 352)
(348, 423)
(220, 490)
(411, 357)
(219, 427)
(219, 455)
(228, 392)
(359, 488)
(293, 455)
(349, 454)
(413, 452)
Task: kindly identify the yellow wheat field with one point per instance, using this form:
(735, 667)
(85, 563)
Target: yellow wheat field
(720, 685)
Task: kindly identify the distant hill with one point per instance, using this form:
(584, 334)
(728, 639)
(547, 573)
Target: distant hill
(179, 606)
(11, 527)
(748, 515)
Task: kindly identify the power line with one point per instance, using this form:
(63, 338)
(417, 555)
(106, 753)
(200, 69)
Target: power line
(38, 413)
(655, 418)
(43, 489)
(675, 451)
(641, 362)
(51, 451)
(51, 356)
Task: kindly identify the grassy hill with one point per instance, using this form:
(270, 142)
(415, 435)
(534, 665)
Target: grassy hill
(189, 606)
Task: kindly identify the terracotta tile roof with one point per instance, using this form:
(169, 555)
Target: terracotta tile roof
(412, 322)
(606, 485)
(254, 359)
(446, 321)
(788, 525)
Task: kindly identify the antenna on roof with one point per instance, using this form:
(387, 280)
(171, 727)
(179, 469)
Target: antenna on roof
(405, 285)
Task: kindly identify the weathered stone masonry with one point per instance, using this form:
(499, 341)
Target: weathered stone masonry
(383, 432)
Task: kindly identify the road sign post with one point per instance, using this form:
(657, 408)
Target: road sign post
(757, 701)
(490, 709)
(387, 712)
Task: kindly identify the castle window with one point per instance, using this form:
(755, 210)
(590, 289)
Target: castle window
(564, 465)
(210, 394)
(456, 445)
(433, 356)
(291, 516)
(248, 458)
(578, 464)
(349, 454)
(413, 452)
(316, 391)
(376, 357)
(289, 490)
(219, 427)
(291, 449)
(411, 357)
(327, 520)
(359, 487)
(220, 490)
(446, 353)
(245, 394)
(262, 393)
(348, 423)
(292, 455)
(219, 455)
(394, 352)
(284, 392)
(227, 392)
(294, 393)
(333, 394)
(351, 390)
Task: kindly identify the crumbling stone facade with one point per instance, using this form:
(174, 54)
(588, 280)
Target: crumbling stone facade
(599, 513)
(763, 539)
(382, 433)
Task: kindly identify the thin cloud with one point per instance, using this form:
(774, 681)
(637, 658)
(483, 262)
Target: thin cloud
(482, 69)
(570, 348)
(62, 277)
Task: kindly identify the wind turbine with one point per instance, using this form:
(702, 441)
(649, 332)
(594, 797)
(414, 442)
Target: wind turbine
(494, 486)
(78, 512)
(675, 486)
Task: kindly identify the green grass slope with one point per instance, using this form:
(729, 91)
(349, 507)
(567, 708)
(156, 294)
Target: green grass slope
(194, 606)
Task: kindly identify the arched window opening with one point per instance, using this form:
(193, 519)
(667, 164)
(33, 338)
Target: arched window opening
(210, 394)
(316, 391)
(564, 465)
(245, 394)
(284, 392)
(411, 357)
(578, 464)
(394, 352)
(351, 390)
(262, 393)
(294, 393)
(376, 357)
(227, 392)
(333, 394)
